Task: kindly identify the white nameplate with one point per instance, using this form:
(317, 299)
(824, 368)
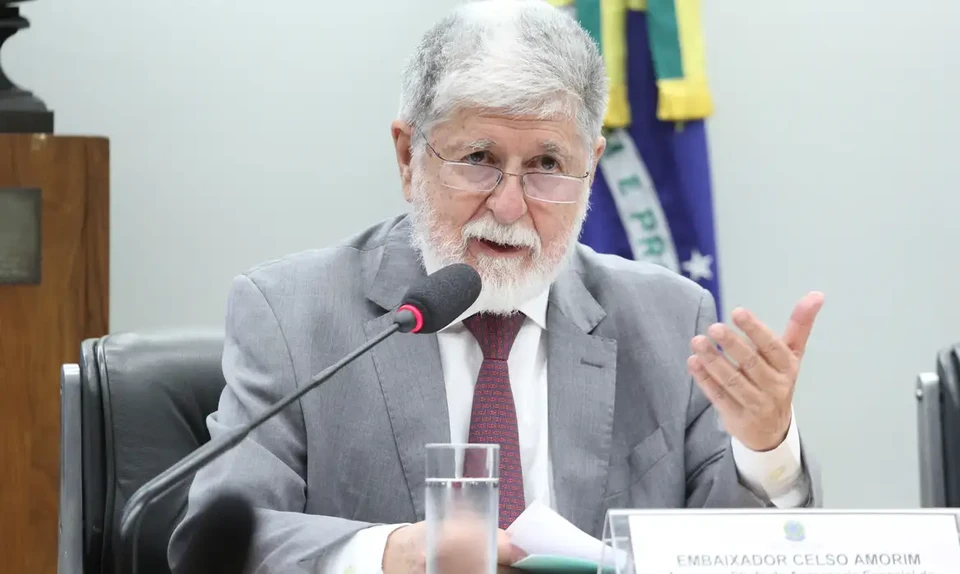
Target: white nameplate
(812, 542)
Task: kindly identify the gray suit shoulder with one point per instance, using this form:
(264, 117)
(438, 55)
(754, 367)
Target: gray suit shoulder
(325, 270)
(611, 276)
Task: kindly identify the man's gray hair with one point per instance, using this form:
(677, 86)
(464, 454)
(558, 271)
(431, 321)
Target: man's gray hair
(516, 57)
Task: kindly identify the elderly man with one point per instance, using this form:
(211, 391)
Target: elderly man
(620, 395)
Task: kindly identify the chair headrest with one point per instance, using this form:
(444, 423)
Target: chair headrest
(181, 365)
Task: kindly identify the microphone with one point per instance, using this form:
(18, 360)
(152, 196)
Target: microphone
(428, 306)
(223, 537)
(433, 304)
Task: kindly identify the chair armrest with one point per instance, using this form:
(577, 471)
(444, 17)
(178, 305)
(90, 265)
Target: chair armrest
(70, 520)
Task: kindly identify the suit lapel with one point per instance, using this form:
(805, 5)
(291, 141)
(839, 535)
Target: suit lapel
(581, 375)
(411, 377)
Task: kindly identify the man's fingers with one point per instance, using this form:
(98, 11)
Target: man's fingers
(770, 347)
(733, 382)
(507, 553)
(801, 322)
(714, 391)
(746, 356)
(457, 549)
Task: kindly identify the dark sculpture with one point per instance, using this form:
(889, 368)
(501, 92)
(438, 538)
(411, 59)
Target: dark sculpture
(20, 111)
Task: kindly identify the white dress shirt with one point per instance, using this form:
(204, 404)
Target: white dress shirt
(777, 474)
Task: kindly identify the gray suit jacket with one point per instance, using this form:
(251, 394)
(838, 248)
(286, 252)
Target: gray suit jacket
(628, 427)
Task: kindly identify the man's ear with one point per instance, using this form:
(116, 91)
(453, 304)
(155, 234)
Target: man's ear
(598, 150)
(402, 139)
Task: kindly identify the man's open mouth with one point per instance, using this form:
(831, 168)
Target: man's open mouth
(504, 248)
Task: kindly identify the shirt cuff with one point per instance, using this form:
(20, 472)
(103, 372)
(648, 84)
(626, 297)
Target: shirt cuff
(777, 474)
(362, 553)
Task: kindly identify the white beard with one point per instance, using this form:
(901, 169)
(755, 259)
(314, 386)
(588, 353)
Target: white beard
(508, 282)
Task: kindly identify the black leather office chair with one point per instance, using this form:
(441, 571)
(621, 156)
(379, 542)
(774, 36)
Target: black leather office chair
(134, 405)
(938, 430)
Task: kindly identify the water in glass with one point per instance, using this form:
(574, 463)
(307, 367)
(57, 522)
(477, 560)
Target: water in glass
(462, 511)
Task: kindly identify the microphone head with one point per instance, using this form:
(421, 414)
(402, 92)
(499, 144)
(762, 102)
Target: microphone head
(438, 299)
(222, 539)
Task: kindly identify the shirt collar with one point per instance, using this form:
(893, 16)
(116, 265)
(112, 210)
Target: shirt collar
(534, 309)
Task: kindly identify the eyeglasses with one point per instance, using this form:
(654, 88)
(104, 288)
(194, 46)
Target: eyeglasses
(548, 187)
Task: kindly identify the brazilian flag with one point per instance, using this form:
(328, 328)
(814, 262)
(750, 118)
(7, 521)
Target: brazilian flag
(652, 199)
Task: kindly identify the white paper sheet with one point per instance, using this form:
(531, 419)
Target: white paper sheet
(539, 531)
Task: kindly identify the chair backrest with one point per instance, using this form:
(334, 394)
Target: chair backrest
(929, 442)
(144, 400)
(948, 372)
(938, 431)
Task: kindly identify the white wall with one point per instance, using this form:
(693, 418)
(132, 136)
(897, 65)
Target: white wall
(240, 130)
(834, 159)
(246, 130)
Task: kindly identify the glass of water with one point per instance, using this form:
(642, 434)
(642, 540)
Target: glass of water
(462, 504)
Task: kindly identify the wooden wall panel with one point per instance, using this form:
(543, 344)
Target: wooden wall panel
(41, 327)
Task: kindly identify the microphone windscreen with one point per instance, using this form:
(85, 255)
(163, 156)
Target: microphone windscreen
(222, 538)
(444, 295)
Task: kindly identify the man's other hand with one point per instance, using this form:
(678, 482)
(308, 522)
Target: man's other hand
(458, 549)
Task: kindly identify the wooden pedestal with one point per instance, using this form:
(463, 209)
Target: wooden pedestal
(54, 264)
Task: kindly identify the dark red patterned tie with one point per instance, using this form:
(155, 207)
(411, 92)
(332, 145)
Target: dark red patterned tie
(493, 418)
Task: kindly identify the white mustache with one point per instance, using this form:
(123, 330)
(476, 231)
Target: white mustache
(488, 229)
